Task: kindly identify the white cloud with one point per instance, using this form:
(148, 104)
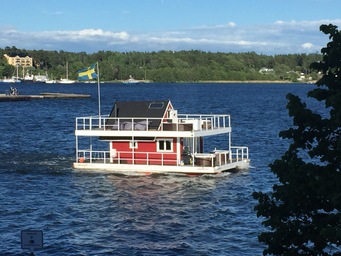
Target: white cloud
(306, 23)
(277, 38)
(307, 45)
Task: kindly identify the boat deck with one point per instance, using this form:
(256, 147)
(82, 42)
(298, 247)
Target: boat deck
(213, 162)
(94, 126)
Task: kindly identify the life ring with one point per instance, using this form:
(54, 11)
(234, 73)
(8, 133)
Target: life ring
(81, 160)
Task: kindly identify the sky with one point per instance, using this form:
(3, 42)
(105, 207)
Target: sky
(267, 27)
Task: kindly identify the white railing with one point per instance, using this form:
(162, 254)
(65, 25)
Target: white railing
(93, 156)
(183, 122)
(206, 122)
(127, 157)
(216, 158)
(239, 153)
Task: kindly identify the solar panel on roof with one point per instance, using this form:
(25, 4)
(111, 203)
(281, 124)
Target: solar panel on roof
(156, 105)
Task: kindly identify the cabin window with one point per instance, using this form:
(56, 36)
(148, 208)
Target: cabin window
(165, 145)
(133, 144)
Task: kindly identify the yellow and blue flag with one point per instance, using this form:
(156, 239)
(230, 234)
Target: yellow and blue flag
(87, 73)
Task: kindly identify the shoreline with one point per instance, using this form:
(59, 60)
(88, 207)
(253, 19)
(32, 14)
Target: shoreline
(257, 82)
(208, 81)
(228, 82)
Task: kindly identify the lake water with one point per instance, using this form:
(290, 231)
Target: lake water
(89, 213)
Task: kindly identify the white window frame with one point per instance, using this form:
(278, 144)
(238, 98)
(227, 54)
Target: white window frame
(133, 144)
(164, 141)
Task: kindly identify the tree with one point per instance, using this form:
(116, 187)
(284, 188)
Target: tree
(302, 213)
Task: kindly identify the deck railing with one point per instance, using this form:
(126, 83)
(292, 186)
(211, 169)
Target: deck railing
(216, 158)
(183, 122)
(127, 157)
(239, 153)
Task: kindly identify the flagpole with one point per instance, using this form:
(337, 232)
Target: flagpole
(98, 92)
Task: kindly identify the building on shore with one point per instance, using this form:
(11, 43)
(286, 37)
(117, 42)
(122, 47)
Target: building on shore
(19, 61)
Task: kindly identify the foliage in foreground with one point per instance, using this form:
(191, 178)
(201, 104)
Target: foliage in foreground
(302, 213)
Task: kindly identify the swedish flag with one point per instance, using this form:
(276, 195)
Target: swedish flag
(87, 73)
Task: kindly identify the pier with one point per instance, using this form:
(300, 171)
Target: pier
(44, 95)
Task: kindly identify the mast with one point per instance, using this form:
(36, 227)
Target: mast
(67, 70)
(17, 78)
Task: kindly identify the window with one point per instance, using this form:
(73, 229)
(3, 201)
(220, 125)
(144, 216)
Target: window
(165, 145)
(133, 144)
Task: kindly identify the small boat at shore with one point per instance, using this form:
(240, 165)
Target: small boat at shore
(12, 80)
(131, 80)
(28, 79)
(66, 80)
(50, 81)
(151, 137)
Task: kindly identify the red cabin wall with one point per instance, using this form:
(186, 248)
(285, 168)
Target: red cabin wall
(139, 156)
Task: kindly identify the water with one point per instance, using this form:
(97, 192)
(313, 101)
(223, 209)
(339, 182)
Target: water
(88, 213)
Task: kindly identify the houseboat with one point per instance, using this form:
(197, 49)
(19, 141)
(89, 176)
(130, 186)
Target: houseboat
(152, 137)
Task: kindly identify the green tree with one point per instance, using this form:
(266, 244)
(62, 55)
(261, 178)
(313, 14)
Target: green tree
(8, 71)
(302, 213)
(159, 66)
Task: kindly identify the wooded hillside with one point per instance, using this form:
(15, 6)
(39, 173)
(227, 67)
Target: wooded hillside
(167, 66)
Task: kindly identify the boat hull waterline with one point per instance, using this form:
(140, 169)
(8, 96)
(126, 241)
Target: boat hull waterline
(143, 169)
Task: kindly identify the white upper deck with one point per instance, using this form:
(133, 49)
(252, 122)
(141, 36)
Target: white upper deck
(182, 125)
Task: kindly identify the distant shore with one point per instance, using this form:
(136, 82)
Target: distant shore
(255, 81)
(208, 81)
(228, 81)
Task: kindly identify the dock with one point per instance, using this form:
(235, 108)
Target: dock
(43, 95)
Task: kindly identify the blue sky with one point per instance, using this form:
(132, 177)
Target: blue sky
(263, 26)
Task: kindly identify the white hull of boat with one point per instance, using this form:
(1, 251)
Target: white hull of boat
(51, 81)
(131, 80)
(66, 81)
(11, 81)
(148, 169)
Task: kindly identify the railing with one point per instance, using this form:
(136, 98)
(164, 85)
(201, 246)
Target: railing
(93, 156)
(183, 122)
(239, 153)
(222, 157)
(216, 158)
(127, 157)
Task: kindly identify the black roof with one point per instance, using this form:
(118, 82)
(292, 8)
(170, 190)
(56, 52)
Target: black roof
(146, 109)
(136, 109)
